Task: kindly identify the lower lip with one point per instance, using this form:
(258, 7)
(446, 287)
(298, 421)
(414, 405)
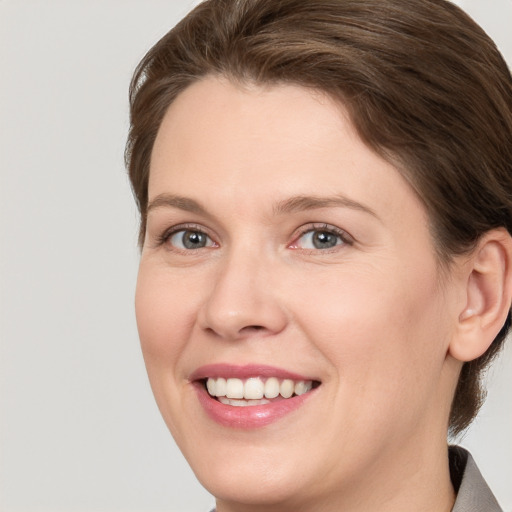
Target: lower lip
(249, 417)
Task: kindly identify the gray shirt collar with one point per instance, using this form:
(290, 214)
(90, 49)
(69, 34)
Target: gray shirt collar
(473, 493)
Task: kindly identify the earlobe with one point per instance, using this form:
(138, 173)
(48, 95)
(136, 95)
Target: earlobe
(488, 296)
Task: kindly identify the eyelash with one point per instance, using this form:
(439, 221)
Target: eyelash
(165, 237)
(342, 235)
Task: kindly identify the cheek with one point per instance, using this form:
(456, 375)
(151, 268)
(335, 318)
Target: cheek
(163, 318)
(164, 321)
(384, 330)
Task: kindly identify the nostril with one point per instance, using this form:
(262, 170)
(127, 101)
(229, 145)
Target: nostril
(247, 330)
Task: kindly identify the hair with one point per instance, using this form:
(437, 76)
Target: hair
(424, 86)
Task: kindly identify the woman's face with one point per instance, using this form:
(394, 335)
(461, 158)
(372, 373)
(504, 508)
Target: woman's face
(281, 254)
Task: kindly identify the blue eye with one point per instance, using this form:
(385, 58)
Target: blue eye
(189, 239)
(321, 238)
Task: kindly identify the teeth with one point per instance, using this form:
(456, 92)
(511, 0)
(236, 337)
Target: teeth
(242, 403)
(287, 387)
(211, 387)
(255, 389)
(234, 388)
(220, 387)
(302, 387)
(271, 388)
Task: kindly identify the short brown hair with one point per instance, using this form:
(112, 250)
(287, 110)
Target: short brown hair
(424, 85)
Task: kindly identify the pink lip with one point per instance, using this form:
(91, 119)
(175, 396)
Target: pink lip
(244, 372)
(251, 417)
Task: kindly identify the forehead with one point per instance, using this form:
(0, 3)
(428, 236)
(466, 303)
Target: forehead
(260, 145)
(247, 124)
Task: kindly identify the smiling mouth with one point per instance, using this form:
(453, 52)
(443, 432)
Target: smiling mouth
(256, 390)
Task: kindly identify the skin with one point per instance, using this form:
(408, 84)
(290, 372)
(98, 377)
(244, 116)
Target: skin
(368, 317)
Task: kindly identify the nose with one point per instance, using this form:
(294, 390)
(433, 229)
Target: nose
(243, 299)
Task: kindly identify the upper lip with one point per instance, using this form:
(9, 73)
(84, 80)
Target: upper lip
(227, 370)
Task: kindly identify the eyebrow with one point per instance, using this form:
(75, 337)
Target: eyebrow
(291, 205)
(304, 203)
(179, 202)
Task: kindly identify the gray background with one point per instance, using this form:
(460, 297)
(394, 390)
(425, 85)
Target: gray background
(79, 429)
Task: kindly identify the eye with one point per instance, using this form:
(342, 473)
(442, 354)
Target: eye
(190, 239)
(321, 238)
(316, 239)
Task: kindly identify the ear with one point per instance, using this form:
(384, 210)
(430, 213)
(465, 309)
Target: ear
(488, 295)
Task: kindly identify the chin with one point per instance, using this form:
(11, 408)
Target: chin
(252, 483)
(251, 468)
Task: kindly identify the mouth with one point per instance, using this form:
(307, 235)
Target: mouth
(250, 396)
(256, 390)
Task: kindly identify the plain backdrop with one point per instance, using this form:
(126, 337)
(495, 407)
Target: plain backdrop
(79, 429)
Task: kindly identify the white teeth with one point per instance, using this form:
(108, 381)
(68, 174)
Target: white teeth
(302, 387)
(242, 403)
(211, 387)
(255, 389)
(287, 387)
(271, 388)
(220, 387)
(234, 388)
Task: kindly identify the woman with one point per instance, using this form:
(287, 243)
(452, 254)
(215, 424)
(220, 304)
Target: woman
(326, 260)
